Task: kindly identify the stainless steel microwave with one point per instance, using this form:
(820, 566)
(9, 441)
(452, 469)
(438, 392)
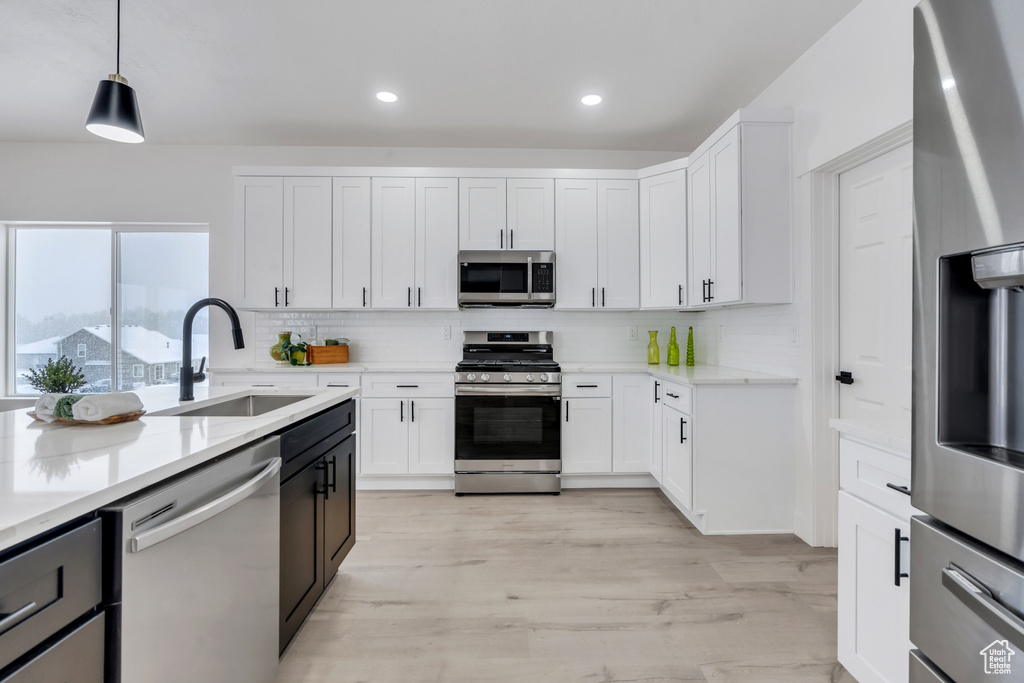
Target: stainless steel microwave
(506, 278)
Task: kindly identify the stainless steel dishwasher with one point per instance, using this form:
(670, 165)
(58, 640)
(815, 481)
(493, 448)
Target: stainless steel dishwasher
(194, 577)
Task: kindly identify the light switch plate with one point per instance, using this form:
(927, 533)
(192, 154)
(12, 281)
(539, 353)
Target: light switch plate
(631, 333)
(446, 332)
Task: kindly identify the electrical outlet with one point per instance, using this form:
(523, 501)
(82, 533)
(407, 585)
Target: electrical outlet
(631, 333)
(794, 335)
(446, 332)
(721, 333)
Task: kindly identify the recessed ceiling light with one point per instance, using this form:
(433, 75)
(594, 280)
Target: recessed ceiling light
(387, 96)
(591, 100)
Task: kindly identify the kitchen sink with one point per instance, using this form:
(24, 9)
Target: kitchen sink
(243, 406)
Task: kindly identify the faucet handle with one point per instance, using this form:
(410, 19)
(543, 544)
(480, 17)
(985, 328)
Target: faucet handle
(199, 375)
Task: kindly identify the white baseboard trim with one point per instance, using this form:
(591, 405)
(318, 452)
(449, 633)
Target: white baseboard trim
(608, 481)
(405, 482)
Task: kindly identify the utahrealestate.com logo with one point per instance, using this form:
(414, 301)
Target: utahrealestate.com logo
(997, 657)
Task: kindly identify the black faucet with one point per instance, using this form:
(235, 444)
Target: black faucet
(187, 378)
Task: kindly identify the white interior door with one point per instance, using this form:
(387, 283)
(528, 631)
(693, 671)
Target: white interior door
(875, 288)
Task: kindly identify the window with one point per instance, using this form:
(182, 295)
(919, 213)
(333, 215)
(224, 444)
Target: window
(118, 292)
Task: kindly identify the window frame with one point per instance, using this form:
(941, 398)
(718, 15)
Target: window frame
(83, 351)
(116, 230)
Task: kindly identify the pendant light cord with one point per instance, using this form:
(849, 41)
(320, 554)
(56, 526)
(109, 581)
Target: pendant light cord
(118, 37)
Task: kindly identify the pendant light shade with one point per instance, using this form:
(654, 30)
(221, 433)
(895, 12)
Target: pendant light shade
(115, 109)
(115, 112)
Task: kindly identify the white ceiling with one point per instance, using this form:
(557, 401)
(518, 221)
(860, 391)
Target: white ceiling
(470, 73)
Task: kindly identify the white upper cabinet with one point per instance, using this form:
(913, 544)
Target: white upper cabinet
(530, 218)
(437, 243)
(482, 213)
(741, 218)
(663, 263)
(597, 243)
(351, 245)
(283, 242)
(394, 242)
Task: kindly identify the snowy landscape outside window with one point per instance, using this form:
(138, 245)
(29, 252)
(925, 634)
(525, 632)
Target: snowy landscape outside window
(111, 298)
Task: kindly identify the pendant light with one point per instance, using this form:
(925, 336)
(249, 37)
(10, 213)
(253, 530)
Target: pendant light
(115, 110)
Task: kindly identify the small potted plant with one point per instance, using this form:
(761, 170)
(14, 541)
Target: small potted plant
(294, 352)
(56, 377)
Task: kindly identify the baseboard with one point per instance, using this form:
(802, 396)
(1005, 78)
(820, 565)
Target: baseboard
(435, 482)
(608, 481)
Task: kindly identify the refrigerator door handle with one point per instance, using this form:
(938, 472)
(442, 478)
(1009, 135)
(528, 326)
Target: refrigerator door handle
(980, 600)
(148, 539)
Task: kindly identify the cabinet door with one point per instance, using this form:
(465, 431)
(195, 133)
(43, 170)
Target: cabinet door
(351, 248)
(302, 564)
(437, 243)
(657, 392)
(618, 245)
(587, 436)
(700, 228)
(874, 613)
(663, 241)
(725, 170)
(431, 435)
(307, 242)
(384, 429)
(259, 239)
(576, 243)
(631, 423)
(676, 431)
(394, 242)
(339, 506)
(482, 213)
(530, 216)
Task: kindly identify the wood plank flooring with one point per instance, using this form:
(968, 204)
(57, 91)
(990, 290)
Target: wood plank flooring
(592, 585)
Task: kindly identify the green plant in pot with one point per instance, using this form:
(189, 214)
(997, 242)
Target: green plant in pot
(294, 352)
(56, 377)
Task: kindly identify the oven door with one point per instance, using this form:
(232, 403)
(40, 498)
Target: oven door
(507, 432)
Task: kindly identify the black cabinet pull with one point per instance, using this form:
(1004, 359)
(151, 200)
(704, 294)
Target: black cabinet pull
(412, 411)
(898, 538)
(401, 411)
(844, 377)
(324, 467)
(408, 293)
(419, 297)
(511, 238)
(586, 386)
(333, 462)
(602, 297)
(711, 296)
(680, 295)
(566, 411)
(672, 395)
(501, 239)
(364, 297)
(276, 304)
(682, 430)
(902, 489)
(704, 290)
(285, 296)
(407, 386)
(593, 297)
(656, 385)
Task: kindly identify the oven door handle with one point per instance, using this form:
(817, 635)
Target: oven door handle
(506, 390)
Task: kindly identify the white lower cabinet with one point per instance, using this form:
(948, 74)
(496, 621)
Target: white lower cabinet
(586, 435)
(874, 565)
(264, 379)
(631, 419)
(657, 393)
(407, 435)
(678, 456)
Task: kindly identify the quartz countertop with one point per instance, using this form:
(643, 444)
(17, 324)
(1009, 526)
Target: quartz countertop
(51, 474)
(366, 366)
(892, 433)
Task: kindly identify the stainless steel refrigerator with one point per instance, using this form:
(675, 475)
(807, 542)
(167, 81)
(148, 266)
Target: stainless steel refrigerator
(967, 555)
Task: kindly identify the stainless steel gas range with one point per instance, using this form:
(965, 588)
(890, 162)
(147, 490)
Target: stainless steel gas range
(508, 392)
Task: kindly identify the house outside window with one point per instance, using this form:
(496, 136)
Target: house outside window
(158, 372)
(81, 350)
(137, 371)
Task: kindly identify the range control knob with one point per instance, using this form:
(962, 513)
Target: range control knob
(484, 377)
(471, 376)
(529, 378)
(544, 377)
(507, 378)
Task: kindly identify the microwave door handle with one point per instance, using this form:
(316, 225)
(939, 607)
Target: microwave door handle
(529, 277)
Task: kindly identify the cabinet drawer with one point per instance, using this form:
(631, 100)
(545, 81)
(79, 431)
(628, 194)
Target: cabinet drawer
(410, 385)
(264, 379)
(581, 385)
(678, 396)
(45, 588)
(77, 656)
(344, 380)
(866, 472)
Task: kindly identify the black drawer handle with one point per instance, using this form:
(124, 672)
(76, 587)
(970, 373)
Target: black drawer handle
(336, 385)
(333, 462)
(566, 411)
(412, 411)
(902, 489)
(682, 430)
(401, 411)
(656, 385)
(276, 290)
(897, 544)
(16, 615)
(407, 386)
(586, 386)
(672, 395)
(264, 385)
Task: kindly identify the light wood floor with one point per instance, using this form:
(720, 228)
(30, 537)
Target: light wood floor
(593, 585)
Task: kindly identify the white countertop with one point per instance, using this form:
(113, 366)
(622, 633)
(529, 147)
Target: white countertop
(51, 474)
(892, 433)
(699, 374)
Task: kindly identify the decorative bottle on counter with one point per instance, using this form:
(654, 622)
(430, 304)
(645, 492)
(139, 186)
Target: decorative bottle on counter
(653, 355)
(689, 349)
(673, 348)
(275, 350)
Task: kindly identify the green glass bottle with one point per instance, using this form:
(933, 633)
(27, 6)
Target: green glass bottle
(673, 348)
(689, 349)
(653, 355)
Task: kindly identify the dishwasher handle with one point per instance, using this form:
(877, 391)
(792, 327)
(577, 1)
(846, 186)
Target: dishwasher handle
(148, 539)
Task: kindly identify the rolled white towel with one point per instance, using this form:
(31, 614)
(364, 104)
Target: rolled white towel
(45, 404)
(101, 406)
